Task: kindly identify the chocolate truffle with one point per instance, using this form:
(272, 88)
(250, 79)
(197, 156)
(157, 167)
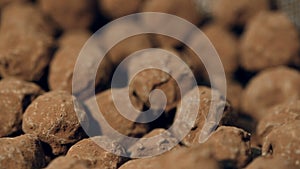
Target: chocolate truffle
(53, 119)
(22, 152)
(270, 40)
(63, 162)
(114, 118)
(270, 87)
(96, 156)
(11, 114)
(278, 116)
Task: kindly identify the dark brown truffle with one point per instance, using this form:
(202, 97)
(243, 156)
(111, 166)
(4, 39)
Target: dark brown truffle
(23, 152)
(270, 40)
(69, 14)
(272, 86)
(53, 119)
(96, 156)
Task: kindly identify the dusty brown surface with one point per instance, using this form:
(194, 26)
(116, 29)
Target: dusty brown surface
(282, 83)
(270, 40)
(53, 119)
(22, 152)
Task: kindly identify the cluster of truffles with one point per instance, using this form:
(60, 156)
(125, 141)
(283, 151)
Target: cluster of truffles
(45, 125)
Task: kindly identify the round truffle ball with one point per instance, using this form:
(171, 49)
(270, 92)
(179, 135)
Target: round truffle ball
(270, 87)
(53, 119)
(270, 40)
(22, 152)
(69, 14)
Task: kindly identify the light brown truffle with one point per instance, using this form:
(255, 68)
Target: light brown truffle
(119, 8)
(53, 119)
(231, 12)
(226, 45)
(270, 162)
(15, 96)
(24, 55)
(284, 141)
(211, 119)
(144, 148)
(278, 116)
(270, 87)
(23, 152)
(25, 48)
(270, 39)
(69, 14)
(11, 110)
(113, 117)
(63, 162)
(96, 156)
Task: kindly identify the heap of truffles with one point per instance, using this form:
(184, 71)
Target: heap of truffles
(155, 100)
